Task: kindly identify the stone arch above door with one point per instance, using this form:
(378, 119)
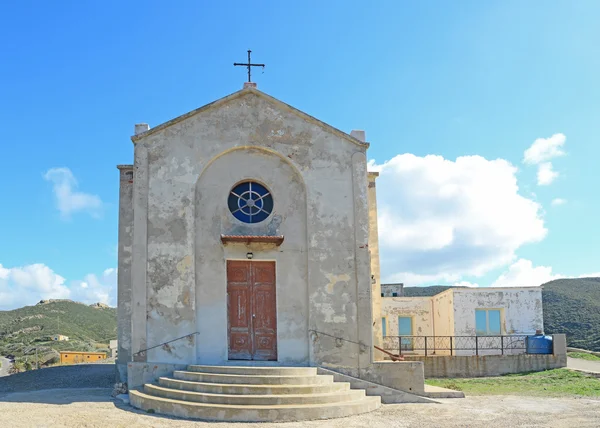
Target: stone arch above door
(213, 218)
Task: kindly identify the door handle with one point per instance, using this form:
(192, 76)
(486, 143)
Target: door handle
(253, 315)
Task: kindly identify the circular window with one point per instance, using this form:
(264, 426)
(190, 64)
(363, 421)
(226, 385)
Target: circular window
(250, 202)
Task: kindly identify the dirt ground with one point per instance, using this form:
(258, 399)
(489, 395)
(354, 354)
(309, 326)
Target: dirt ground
(95, 408)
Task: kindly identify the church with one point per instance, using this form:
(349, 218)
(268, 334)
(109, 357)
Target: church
(249, 277)
(247, 236)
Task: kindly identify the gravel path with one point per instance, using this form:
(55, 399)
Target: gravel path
(80, 376)
(579, 364)
(95, 408)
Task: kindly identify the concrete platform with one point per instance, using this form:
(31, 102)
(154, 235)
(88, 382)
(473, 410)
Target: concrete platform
(439, 392)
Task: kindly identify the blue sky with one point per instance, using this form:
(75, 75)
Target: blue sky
(452, 79)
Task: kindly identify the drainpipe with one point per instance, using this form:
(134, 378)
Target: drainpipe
(433, 323)
(432, 318)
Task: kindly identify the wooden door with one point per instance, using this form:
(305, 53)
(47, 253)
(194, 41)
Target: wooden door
(252, 310)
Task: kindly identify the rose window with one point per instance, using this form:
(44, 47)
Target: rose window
(250, 202)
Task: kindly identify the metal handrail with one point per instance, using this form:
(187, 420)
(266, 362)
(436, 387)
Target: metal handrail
(502, 343)
(337, 337)
(166, 343)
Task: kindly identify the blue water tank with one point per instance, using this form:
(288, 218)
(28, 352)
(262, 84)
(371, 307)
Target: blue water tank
(539, 344)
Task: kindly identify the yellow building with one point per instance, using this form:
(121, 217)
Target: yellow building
(73, 357)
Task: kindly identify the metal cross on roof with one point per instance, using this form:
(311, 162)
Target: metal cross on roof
(249, 65)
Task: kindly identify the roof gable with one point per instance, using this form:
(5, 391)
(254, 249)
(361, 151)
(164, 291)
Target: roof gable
(280, 104)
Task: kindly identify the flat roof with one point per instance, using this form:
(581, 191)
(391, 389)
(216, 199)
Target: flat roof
(83, 352)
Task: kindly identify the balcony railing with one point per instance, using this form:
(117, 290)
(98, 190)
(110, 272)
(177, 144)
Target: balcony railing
(461, 345)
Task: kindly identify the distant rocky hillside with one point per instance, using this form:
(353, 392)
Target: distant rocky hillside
(89, 327)
(571, 306)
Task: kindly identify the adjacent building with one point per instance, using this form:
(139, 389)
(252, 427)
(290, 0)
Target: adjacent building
(60, 338)
(73, 357)
(463, 314)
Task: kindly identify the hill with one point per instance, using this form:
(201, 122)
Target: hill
(89, 327)
(425, 291)
(571, 306)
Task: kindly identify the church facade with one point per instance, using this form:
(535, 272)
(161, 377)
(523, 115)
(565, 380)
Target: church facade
(244, 238)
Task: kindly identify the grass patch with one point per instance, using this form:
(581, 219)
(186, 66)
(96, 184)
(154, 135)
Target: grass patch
(550, 383)
(583, 356)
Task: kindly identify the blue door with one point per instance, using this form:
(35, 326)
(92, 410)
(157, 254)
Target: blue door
(405, 329)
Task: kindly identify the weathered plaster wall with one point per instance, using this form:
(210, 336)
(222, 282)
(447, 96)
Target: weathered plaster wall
(388, 290)
(124, 266)
(443, 314)
(139, 259)
(418, 308)
(139, 374)
(403, 375)
(494, 365)
(520, 309)
(375, 271)
(288, 219)
(490, 365)
(175, 219)
(388, 395)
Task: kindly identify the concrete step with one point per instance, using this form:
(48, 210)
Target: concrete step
(253, 400)
(251, 413)
(252, 394)
(439, 392)
(260, 371)
(251, 379)
(238, 389)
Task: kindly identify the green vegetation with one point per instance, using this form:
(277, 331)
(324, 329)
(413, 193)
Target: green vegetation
(583, 356)
(26, 329)
(425, 291)
(550, 383)
(571, 306)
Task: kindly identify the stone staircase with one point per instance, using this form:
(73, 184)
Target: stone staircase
(252, 394)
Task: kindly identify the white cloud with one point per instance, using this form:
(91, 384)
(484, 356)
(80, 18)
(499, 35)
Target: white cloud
(546, 174)
(466, 284)
(544, 149)
(558, 201)
(522, 273)
(441, 219)
(590, 275)
(94, 289)
(540, 153)
(68, 199)
(26, 285)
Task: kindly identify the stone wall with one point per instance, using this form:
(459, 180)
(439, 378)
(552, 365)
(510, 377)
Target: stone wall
(493, 365)
(443, 314)
(403, 375)
(375, 268)
(139, 374)
(124, 269)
